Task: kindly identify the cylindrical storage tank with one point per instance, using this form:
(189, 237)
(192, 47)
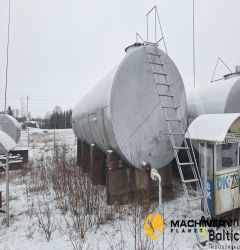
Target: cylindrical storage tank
(123, 112)
(215, 98)
(10, 126)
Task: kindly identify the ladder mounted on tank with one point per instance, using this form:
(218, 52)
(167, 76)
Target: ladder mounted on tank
(173, 113)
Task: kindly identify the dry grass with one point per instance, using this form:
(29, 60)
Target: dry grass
(61, 197)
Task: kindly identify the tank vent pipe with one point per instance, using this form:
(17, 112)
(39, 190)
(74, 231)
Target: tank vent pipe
(157, 177)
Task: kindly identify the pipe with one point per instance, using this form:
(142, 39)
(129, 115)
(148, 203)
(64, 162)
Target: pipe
(157, 177)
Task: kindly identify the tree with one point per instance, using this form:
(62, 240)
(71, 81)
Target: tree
(9, 111)
(16, 113)
(57, 109)
(57, 119)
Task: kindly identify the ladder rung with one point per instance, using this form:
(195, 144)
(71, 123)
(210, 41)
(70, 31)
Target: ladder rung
(165, 84)
(159, 73)
(185, 163)
(153, 54)
(195, 199)
(207, 216)
(171, 107)
(177, 133)
(190, 180)
(166, 95)
(173, 120)
(181, 147)
(155, 63)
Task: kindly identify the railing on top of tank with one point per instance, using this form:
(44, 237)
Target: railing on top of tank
(157, 22)
(147, 42)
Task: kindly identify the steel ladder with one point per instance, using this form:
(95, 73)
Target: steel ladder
(157, 68)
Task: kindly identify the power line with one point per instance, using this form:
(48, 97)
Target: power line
(48, 99)
(52, 100)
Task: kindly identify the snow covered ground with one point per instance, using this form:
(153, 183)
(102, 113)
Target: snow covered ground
(120, 227)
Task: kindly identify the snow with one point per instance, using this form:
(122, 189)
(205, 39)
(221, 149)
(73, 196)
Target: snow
(115, 232)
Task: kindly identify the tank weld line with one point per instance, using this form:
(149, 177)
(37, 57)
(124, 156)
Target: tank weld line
(179, 78)
(90, 127)
(100, 134)
(141, 124)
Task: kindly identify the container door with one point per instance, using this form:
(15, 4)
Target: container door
(226, 178)
(206, 159)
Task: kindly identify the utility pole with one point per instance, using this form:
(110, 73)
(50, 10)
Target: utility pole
(27, 108)
(194, 49)
(7, 189)
(28, 121)
(8, 42)
(5, 110)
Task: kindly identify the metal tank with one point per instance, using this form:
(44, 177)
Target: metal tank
(215, 98)
(123, 111)
(10, 126)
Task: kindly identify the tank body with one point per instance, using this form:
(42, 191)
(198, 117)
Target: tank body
(123, 112)
(214, 98)
(10, 126)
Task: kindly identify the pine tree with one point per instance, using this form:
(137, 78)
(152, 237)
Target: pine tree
(9, 111)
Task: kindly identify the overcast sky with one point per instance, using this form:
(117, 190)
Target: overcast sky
(60, 48)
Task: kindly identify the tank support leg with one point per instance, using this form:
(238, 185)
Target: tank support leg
(97, 165)
(126, 183)
(167, 180)
(79, 152)
(117, 179)
(85, 157)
